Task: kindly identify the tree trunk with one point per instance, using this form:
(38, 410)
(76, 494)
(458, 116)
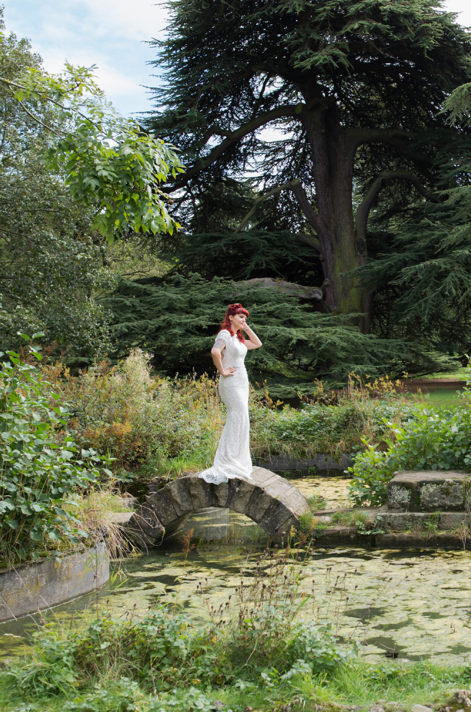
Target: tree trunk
(341, 249)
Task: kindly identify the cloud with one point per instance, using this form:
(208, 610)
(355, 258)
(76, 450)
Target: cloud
(139, 20)
(462, 7)
(108, 33)
(111, 34)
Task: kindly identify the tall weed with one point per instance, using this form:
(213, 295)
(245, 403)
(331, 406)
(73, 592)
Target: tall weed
(357, 414)
(141, 420)
(257, 637)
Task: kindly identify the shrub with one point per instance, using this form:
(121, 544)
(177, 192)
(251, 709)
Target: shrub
(152, 425)
(38, 476)
(333, 429)
(430, 441)
(139, 419)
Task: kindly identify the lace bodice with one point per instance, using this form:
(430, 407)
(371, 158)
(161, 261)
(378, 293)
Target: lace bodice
(233, 355)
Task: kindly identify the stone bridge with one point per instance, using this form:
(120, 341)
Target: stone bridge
(269, 500)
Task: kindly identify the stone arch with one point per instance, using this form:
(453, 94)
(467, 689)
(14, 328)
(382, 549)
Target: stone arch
(269, 500)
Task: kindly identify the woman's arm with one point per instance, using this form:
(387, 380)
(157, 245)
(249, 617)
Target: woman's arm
(254, 342)
(216, 353)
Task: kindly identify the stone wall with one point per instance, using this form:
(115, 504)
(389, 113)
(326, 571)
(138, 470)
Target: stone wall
(38, 586)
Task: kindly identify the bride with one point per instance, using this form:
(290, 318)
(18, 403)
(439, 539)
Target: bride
(229, 351)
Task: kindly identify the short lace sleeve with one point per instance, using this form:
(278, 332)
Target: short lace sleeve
(222, 338)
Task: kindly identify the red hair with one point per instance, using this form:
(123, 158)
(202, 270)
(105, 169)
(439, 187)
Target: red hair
(232, 310)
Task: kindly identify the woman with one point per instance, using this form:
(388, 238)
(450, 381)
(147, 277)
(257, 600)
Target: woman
(229, 350)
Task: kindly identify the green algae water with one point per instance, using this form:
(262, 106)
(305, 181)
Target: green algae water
(408, 605)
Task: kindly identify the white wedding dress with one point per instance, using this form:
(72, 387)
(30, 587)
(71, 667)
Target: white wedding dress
(233, 453)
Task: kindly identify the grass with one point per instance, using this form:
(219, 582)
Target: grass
(350, 518)
(316, 502)
(460, 373)
(95, 510)
(443, 398)
(356, 683)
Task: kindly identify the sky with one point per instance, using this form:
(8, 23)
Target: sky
(111, 34)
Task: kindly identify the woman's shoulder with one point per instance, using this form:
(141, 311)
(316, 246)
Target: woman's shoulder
(225, 333)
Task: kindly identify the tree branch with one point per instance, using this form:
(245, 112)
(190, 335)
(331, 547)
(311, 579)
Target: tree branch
(364, 208)
(313, 218)
(309, 240)
(391, 136)
(394, 138)
(38, 121)
(232, 137)
(259, 200)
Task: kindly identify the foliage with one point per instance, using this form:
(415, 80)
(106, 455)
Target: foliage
(421, 271)
(317, 74)
(340, 428)
(107, 160)
(71, 171)
(431, 440)
(96, 511)
(38, 476)
(142, 421)
(152, 425)
(51, 263)
(176, 318)
(254, 253)
(259, 639)
(357, 683)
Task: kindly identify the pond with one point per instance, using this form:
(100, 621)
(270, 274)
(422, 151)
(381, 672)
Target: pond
(398, 604)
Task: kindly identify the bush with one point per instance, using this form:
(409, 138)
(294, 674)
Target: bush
(430, 441)
(38, 476)
(334, 429)
(152, 425)
(141, 420)
(167, 650)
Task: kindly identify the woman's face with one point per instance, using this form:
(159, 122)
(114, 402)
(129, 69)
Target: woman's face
(238, 321)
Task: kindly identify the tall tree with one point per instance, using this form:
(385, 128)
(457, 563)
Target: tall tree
(348, 84)
(421, 273)
(72, 172)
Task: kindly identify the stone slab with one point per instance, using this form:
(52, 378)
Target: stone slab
(279, 488)
(240, 491)
(258, 504)
(454, 520)
(145, 527)
(201, 493)
(262, 476)
(163, 505)
(406, 521)
(221, 495)
(440, 540)
(275, 519)
(38, 586)
(182, 500)
(412, 491)
(297, 502)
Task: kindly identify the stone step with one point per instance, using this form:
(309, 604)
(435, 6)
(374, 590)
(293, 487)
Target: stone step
(421, 521)
(429, 491)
